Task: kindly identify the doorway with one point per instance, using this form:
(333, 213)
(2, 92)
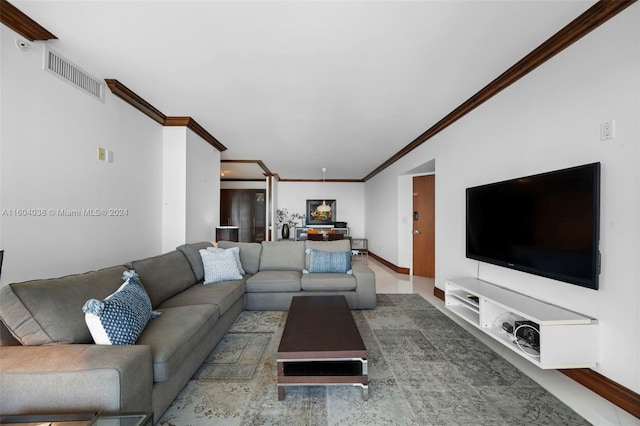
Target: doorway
(424, 247)
(246, 209)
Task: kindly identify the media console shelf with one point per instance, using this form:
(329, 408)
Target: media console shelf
(566, 339)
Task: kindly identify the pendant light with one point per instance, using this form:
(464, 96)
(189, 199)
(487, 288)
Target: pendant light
(324, 208)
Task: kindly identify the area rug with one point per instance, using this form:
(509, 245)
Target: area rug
(424, 369)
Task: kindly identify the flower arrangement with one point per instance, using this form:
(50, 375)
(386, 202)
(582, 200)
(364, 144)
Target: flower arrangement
(283, 217)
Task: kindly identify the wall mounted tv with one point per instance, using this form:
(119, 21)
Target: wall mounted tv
(547, 224)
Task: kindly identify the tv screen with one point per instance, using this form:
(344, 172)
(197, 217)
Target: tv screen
(546, 224)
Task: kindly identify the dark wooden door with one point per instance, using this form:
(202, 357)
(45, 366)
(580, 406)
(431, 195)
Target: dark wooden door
(424, 250)
(244, 208)
(226, 203)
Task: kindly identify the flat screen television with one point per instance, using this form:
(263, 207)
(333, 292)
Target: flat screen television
(547, 224)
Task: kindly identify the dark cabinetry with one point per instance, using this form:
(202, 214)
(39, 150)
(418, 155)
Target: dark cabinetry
(246, 209)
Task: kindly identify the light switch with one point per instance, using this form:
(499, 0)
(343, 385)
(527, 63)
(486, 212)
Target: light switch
(607, 130)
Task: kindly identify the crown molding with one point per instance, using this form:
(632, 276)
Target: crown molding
(323, 180)
(242, 180)
(592, 18)
(129, 96)
(15, 19)
(260, 163)
(192, 124)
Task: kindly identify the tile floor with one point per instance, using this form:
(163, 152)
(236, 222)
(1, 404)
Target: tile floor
(589, 405)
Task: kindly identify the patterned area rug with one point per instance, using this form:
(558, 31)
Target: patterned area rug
(424, 369)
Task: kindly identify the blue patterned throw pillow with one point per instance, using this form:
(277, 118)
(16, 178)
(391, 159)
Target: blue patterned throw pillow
(219, 266)
(337, 262)
(120, 318)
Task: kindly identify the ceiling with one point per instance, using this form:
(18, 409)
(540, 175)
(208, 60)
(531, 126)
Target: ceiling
(302, 85)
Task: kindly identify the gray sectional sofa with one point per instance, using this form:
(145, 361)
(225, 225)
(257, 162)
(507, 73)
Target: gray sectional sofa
(49, 363)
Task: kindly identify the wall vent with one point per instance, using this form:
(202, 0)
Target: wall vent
(73, 74)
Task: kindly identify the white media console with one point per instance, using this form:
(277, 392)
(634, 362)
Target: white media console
(567, 339)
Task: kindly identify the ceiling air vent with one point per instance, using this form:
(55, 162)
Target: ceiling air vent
(72, 74)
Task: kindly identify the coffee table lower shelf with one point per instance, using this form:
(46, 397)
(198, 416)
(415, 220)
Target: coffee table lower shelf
(322, 371)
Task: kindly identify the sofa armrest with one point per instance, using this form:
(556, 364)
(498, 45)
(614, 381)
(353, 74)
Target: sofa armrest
(365, 285)
(75, 378)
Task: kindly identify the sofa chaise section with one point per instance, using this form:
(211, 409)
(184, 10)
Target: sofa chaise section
(277, 274)
(75, 378)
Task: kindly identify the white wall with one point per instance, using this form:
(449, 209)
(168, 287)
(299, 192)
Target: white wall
(203, 189)
(349, 198)
(50, 132)
(191, 188)
(174, 187)
(382, 214)
(272, 203)
(548, 120)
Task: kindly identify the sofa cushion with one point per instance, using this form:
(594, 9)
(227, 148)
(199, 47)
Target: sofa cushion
(249, 254)
(49, 311)
(192, 253)
(223, 294)
(175, 334)
(164, 276)
(219, 266)
(120, 318)
(337, 262)
(282, 256)
(328, 282)
(274, 281)
(330, 246)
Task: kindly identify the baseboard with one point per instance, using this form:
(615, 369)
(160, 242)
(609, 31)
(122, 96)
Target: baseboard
(613, 392)
(390, 265)
(438, 293)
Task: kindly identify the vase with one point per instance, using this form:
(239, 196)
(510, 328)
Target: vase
(285, 232)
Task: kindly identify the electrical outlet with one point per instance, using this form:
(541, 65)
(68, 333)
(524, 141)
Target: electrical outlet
(102, 154)
(607, 130)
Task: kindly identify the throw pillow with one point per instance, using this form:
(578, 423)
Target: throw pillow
(219, 266)
(120, 318)
(338, 262)
(236, 255)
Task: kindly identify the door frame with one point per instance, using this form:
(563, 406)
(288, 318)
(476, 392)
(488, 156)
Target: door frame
(405, 212)
(411, 219)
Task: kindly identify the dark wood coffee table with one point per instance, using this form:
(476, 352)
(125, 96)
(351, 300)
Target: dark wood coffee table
(321, 345)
